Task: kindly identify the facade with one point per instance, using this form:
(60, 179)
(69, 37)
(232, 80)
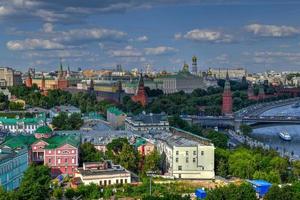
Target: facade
(22, 125)
(10, 77)
(182, 81)
(144, 147)
(227, 98)
(59, 152)
(13, 164)
(147, 122)
(238, 73)
(115, 117)
(140, 95)
(187, 156)
(54, 112)
(103, 173)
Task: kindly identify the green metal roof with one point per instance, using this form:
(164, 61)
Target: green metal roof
(13, 121)
(139, 142)
(19, 141)
(115, 111)
(54, 141)
(44, 130)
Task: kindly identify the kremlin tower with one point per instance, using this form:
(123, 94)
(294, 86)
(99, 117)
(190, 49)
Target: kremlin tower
(140, 95)
(250, 92)
(227, 98)
(28, 81)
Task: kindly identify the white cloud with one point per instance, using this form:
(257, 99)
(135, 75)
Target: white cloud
(48, 27)
(33, 44)
(177, 36)
(143, 38)
(204, 35)
(4, 11)
(90, 34)
(160, 50)
(272, 30)
(128, 51)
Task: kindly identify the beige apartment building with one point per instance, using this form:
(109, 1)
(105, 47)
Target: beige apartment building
(187, 156)
(9, 77)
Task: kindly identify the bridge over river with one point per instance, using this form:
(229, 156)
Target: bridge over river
(251, 115)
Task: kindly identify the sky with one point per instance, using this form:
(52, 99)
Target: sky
(258, 35)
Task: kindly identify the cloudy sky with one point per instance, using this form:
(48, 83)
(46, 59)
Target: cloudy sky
(255, 34)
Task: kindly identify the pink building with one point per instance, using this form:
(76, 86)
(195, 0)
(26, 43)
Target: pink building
(60, 153)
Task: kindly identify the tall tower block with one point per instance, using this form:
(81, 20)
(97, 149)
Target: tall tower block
(227, 98)
(194, 65)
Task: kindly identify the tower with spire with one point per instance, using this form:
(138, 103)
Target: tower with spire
(250, 92)
(227, 97)
(28, 81)
(194, 65)
(261, 92)
(140, 96)
(62, 82)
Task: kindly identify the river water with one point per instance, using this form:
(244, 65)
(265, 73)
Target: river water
(269, 135)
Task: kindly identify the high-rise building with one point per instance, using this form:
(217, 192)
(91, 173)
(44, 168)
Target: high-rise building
(194, 65)
(10, 77)
(227, 98)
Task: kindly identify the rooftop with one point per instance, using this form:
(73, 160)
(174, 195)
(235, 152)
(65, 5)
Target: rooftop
(115, 111)
(150, 118)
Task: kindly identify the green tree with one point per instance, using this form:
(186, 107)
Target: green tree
(35, 184)
(57, 193)
(128, 158)
(152, 162)
(88, 153)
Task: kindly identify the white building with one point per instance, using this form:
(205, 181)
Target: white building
(103, 173)
(54, 112)
(147, 122)
(187, 156)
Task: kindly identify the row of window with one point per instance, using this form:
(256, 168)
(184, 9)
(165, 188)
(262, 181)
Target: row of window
(13, 127)
(194, 153)
(59, 160)
(180, 168)
(186, 160)
(108, 182)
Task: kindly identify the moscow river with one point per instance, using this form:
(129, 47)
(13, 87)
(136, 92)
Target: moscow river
(269, 135)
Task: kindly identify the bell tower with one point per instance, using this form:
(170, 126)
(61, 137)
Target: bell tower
(227, 97)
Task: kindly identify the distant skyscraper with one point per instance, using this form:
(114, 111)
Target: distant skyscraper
(194, 65)
(119, 68)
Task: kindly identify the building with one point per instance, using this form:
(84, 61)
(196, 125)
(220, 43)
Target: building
(147, 122)
(187, 156)
(194, 65)
(54, 112)
(22, 125)
(49, 83)
(140, 95)
(10, 77)
(13, 164)
(227, 98)
(182, 81)
(238, 73)
(6, 92)
(59, 152)
(103, 173)
(143, 146)
(115, 117)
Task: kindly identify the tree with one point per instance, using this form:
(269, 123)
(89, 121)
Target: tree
(245, 129)
(70, 193)
(3, 101)
(65, 122)
(88, 153)
(152, 162)
(35, 184)
(57, 193)
(219, 139)
(128, 157)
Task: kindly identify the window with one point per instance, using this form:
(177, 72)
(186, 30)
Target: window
(194, 159)
(177, 152)
(66, 160)
(202, 153)
(177, 160)
(109, 182)
(117, 181)
(125, 180)
(49, 161)
(179, 175)
(179, 168)
(121, 181)
(73, 151)
(186, 153)
(49, 151)
(194, 153)
(73, 160)
(59, 161)
(58, 151)
(100, 183)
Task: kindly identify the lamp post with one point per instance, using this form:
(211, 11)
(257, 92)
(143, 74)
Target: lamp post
(150, 173)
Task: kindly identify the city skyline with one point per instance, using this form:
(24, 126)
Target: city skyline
(256, 35)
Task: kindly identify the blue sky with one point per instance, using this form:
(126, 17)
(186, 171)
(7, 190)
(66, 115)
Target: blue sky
(255, 34)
